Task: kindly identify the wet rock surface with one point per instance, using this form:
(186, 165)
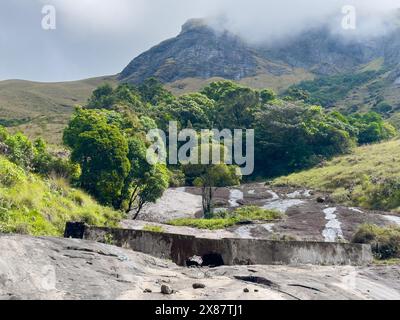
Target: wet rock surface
(306, 216)
(50, 268)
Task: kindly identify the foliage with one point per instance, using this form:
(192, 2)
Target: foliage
(101, 150)
(33, 205)
(35, 156)
(210, 224)
(112, 155)
(251, 213)
(210, 177)
(224, 220)
(371, 127)
(294, 137)
(235, 105)
(327, 91)
(153, 92)
(385, 242)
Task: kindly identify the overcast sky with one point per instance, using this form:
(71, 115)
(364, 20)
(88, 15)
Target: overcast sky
(100, 37)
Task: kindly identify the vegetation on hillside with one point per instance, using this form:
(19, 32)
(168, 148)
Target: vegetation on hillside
(107, 137)
(35, 193)
(369, 177)
(327, 91)
(385, 242)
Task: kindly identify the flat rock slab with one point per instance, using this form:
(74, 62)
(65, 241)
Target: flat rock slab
(52, 268)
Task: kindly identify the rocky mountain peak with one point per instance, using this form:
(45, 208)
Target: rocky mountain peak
(197, 52)
(195, 24)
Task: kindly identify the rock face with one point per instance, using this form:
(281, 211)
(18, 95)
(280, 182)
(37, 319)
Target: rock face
(49, 268)
(198, 51)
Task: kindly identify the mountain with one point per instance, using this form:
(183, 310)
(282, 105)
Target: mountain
(345, 72)
(200, 53)
(359, 73)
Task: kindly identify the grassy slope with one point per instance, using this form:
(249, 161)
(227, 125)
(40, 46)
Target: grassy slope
(32, 205)
(262, 80)
(43, 109)
(351, 177)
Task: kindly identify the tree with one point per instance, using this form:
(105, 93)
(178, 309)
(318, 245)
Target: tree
(267, 95)
(149, 188)
(146, 182)
(102, 97)
(210, 177)
(195, 109)
(153, 92)
(102, 152)
(290, 138)
(371, 127)
(235, 105)
(213, 177)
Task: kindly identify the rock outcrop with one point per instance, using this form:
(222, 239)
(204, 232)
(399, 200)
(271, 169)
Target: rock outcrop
(50, 268)
(198, 51)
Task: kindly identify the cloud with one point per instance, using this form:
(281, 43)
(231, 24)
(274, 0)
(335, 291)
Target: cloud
(98, 37)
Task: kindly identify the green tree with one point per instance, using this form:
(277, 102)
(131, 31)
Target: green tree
(290, 137)
(210, 177)
(153, 92)
(235, 105)
(101, 150)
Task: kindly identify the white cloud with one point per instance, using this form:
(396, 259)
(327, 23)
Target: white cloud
(97, 37)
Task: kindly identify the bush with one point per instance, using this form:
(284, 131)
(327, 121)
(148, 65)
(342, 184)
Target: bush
(385, 242)
(227, 219)
(10, 174)
(210, 224)
(250, 213)
(32, 205)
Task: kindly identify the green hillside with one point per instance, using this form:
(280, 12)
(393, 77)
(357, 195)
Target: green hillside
(33, 205)
(43, 109)
(369, 177)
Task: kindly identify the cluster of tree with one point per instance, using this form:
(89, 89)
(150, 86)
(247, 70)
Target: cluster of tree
(327, 91)
(35, 156)
(107, 138)
(111, 150)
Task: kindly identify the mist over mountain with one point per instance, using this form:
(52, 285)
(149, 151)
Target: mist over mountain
(202, 51)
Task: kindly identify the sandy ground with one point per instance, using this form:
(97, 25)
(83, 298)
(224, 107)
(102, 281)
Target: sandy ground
(49, 268)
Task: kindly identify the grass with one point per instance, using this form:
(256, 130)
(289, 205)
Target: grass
(43, 109)
(369, 177)
(385, 242)
(259, 81)
(228, 219)
(157, 229)
(34, 206)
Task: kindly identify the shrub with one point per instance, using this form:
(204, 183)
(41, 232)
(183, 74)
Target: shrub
(32, 205)
(385, 242)
(10, 174)
(250, 213)
(210, 224)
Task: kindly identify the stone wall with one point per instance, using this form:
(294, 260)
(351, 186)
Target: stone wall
(182, 248)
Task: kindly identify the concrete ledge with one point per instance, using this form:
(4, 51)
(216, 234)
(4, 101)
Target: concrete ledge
(228, 251)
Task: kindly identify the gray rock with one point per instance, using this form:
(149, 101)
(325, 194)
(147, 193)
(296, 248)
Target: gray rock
(165, 289)
(54, 269)
(198, 286)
